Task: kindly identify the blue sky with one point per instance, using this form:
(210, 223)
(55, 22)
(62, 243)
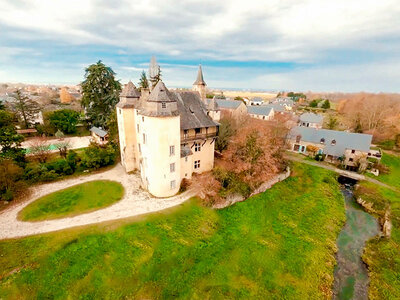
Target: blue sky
(318, 45)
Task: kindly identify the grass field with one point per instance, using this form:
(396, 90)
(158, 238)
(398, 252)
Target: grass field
(393, 162)
(74, 200)
(383, 254)
(279, 244)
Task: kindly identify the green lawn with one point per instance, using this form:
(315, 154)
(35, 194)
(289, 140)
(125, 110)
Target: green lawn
(393, 162)
(74, 200)
(279, 244)
(383, 254)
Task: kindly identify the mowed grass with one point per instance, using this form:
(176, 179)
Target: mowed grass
(78, 199)
(383, 254)
(393, 178)
(277, 245)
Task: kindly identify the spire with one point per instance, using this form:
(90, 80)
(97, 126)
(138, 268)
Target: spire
(153, 68)
(200, 79)
(130, 91)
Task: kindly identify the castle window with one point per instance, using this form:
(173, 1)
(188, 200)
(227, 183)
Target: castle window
(172, 167)
(119, 110)
(186, 158)
(350, 159)
(171, 150)
(298, 138)
(353, 151)
(163, 105)
(197, 164)
(173, 184)
(185, 133)
(144, 138)
(197, 147)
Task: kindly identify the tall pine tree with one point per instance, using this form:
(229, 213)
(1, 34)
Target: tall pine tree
(100, 93)
(25, 108)
(143, 82)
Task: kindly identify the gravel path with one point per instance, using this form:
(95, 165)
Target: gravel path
(135, 202)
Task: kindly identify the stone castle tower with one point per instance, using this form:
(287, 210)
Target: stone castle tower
(200, 85)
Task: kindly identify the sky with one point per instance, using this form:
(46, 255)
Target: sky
(301, 45)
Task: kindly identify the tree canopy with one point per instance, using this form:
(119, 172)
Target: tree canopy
(100, 93)
(64, 120)
(25, 108)
(143, 82)
(10, 141)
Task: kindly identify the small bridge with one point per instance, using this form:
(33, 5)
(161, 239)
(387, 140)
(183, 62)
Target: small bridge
(349, 174)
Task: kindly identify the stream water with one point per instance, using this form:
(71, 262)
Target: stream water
(351, 274)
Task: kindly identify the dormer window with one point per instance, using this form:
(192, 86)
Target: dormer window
(322, 141)
(163, 105)
(333, 142)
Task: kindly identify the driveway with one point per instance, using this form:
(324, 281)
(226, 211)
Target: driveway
(134, 202)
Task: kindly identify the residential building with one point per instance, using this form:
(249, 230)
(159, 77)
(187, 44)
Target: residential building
(99, 135)
(311, 120)
(166, 135)
(337, 146)
(261, 112)
(233, 108)
(256, 101)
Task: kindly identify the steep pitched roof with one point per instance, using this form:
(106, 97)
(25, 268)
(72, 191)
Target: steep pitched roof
(212, 104)
(199, 79)
(192, 111)
(130, 91)
(260, 110)
(343, 140)
(160, 93)
(311, 118)
(276, 107)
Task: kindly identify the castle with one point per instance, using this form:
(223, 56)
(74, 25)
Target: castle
(167, 135)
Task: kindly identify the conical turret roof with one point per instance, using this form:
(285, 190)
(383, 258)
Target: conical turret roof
(200, 79)
(160, 93)
(130, 91)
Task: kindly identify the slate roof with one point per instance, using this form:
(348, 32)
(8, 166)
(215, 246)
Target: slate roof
(130, 91)
(160, 93)
(311, 118)
(344, 140)
(98, 131)
(276, 107)
(199, 79)
(192, 111)
(228, 104)
(259, 110)
(257, 99)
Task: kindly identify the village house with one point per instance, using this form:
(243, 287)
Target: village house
(256, 101)
(261, 112)
(99, 135)
(286, 102)
(352, 149)
(167, 135)
(232, 108)
(311, 120)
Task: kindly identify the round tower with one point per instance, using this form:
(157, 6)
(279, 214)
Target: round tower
(159, 142)
(129, 99)
(200, 85)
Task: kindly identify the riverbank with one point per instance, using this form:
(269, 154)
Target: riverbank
(382, 254)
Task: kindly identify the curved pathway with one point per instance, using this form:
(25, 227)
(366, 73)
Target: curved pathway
(135, 202)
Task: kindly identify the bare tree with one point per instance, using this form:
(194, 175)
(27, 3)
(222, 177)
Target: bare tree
(40, 149)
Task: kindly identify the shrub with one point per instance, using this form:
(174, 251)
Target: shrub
(37, 173)
(60, 166)
(96, 157)
(73, 159)
(10, 180)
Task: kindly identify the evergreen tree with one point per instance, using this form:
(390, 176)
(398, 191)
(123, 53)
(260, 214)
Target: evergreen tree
(100, 93)
(10, 141)
(25, 108)
(143, 83)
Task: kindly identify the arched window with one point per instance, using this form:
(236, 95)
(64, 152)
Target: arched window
(322, 141)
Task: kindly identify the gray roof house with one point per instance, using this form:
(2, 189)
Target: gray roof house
(262, 112)
(228, 104)
(333, 142)
(98, 131)
(311, 120)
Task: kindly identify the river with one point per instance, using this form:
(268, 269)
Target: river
(351, 274)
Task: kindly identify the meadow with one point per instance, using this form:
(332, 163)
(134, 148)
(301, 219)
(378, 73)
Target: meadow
(278, 244)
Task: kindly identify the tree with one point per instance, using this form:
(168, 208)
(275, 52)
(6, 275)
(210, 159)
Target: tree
(10, 180)
(112, 125)
(10, 141)
(326, 104)
(64, 120)
(143, 82)
(100, 93)
(332, 123)
(314, 103)
(226, 131)
(62, 147)
(25, 108)
(2, 107)
(40, 149)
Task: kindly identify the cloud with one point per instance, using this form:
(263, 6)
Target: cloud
(315, 34)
